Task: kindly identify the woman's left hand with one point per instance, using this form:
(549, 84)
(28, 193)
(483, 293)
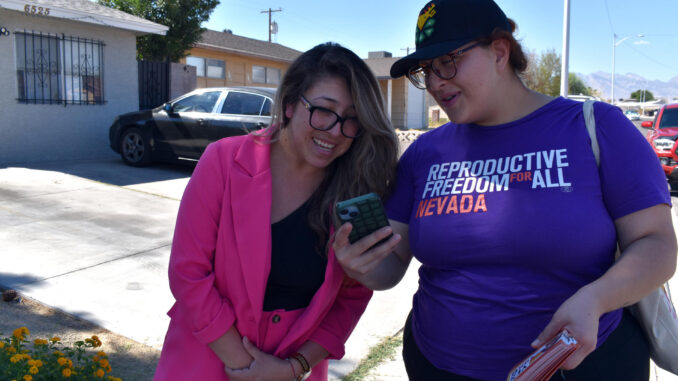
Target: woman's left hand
(264, 367)
(579, 314)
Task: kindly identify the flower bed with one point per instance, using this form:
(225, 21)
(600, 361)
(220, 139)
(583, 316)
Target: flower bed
(49, 359)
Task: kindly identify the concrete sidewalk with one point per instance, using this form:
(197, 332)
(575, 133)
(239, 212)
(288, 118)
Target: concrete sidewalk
(93, 240)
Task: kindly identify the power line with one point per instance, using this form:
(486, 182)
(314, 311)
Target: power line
(609, 20)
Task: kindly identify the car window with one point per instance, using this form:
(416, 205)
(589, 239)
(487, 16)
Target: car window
(669, 118)
(242, 103)
(203, 102)
(266, 110)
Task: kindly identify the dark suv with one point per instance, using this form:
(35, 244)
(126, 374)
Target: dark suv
(663, 137)
(182, 128)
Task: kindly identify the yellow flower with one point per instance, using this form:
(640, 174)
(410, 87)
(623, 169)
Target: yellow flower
(40, 342)
(62, 361)
(100, 353)
(66, 372)
(31, 362)
(15, 359)
(57, 353)
(28, 378)
(70, 363)
(55, 339)
(2, 344)
(33, 370)
(103, 363)
(99, 373)
(20, 332)
(11, 350)
(38, 363)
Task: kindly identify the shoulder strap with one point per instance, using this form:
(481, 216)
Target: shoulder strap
(590, 120)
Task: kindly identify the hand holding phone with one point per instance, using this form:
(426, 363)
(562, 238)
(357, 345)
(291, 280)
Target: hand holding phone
(365, 213)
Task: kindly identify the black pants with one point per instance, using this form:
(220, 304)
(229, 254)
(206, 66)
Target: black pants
(623, 356)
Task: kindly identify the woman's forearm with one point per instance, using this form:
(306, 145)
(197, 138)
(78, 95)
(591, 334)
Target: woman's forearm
(230, 350)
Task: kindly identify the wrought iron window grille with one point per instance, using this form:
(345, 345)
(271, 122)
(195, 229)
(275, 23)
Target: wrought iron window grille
(56, 69)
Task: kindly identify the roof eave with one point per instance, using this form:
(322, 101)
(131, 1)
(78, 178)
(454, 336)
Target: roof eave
(242, 52)
(97, 19)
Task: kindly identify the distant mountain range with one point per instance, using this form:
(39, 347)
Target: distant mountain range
(625, 84)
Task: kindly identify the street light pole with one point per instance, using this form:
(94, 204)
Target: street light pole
(614, 46)
(564, 70)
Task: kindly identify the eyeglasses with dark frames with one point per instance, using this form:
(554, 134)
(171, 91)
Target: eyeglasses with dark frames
(445, 67)
(324, 119)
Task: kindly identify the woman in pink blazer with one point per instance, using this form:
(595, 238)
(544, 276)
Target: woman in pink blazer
(259, 293)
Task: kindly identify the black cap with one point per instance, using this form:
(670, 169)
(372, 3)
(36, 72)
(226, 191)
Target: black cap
(445, 25)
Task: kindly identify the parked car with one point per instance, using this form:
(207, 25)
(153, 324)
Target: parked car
(632, 114)
(182, 128)
(663, 135)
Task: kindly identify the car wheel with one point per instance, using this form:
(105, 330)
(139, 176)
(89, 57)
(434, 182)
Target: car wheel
(135, 149)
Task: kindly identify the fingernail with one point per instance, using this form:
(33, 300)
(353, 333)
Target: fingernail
(535, 343)
(245, 339)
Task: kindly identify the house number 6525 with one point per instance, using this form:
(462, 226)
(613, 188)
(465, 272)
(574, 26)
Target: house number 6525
(33, 10)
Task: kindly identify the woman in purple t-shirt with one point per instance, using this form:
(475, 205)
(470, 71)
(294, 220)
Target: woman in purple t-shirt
(512, 219)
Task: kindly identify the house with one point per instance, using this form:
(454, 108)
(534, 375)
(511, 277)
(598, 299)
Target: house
(70, 70)
(405, 104)
(226, 59)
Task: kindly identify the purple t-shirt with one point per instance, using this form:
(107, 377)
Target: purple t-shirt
(508, 221)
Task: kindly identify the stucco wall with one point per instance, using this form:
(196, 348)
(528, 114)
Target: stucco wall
(43, 132)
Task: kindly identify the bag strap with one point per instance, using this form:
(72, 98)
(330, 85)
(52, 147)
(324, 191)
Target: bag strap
(590, 120)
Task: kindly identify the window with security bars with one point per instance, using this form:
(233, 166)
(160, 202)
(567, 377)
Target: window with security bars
(58, 69)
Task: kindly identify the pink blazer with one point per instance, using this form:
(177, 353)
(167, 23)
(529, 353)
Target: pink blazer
(220, 263)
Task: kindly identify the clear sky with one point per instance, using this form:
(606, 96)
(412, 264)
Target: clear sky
(372, 25)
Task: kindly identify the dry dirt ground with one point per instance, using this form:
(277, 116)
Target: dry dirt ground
(129, 359)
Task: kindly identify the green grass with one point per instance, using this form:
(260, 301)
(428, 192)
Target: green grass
(378, 354)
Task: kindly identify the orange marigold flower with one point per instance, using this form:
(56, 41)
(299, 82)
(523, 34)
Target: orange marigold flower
(62, 361)
(31, 362)
(55, 339)
(28, 378)
(33, 370)
(11, 350)
(38, 363)
(66, 372)
(57, 353)
(95, 359)
(99, 373)
(100, 353)
(2, 344)
(103, 363)
(15, 359)
(40, 342)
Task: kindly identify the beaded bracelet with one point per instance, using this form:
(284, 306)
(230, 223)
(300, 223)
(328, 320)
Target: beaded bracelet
(302, 360)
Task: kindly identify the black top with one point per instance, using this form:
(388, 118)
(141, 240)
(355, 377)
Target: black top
(297, 270)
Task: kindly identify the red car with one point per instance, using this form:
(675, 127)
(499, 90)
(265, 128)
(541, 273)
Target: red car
(662, 136)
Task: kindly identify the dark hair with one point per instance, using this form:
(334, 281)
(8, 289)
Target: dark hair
(369, 164)
(517, 58)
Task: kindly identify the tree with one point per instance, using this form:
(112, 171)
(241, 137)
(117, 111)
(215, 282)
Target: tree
(543, 75)
(640, 97)
(183, 17)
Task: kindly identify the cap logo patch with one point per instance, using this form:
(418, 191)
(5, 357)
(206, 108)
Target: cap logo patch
(425, 23)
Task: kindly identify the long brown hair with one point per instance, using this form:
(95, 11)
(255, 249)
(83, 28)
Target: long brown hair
(369, 164)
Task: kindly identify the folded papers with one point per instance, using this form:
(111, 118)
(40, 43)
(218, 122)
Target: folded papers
(541, 364)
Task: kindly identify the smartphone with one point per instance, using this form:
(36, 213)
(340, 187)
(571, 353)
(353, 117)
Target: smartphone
(366, 214)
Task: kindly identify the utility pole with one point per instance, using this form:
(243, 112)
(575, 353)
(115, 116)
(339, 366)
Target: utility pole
(269, 11)
(406, 49)
(564, 69)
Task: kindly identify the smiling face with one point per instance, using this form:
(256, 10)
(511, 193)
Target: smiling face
(308, 147)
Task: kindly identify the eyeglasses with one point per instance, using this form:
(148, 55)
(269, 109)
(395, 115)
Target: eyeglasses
(445, 67)
(323, 119)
